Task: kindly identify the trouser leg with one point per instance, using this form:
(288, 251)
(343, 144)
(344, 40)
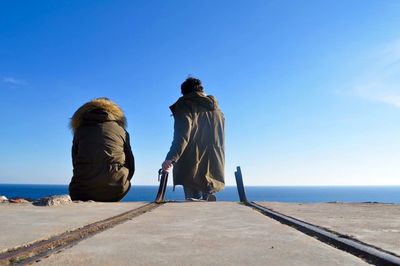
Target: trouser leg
(208, 196)
(191, 193)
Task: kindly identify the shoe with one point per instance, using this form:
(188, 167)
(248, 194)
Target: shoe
(193, 199)
(211, 197)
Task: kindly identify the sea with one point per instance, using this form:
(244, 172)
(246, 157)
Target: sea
(301, 194)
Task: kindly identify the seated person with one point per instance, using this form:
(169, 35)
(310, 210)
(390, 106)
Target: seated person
(101, 153)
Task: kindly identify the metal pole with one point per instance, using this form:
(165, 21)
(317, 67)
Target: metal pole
(240, 186)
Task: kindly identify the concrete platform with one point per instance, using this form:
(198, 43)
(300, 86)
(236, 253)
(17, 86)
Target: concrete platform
(201, 233)
(21, 224)
(372, 223)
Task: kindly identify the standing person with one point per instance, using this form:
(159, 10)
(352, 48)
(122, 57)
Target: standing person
(101, 152)
(197, 151)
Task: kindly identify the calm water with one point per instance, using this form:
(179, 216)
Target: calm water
(387, 194)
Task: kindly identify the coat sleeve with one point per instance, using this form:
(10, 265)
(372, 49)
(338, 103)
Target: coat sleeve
(129, 158)
(182, 129)
(74, 150)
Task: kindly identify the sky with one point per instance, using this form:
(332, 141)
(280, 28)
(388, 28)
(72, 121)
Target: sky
(310, 89)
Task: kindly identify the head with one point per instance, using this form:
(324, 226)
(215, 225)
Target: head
(191, 85)
(114, 112)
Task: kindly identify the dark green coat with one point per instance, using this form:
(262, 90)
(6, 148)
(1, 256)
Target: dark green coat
(198, 146)
(101, 153)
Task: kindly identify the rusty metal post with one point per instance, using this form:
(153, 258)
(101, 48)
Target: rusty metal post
(163, 178)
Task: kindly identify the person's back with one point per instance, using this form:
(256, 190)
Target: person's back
(101, 154)
(197, 150)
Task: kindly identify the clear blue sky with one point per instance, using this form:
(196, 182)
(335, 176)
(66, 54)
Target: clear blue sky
(310, 89)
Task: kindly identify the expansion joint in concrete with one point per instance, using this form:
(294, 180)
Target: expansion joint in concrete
(362, 250)
(39, 249)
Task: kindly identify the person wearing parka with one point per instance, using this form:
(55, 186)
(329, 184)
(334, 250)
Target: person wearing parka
(197, 152)
(103, 163)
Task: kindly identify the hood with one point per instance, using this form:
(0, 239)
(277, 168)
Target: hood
(98, 110)
(199, 98)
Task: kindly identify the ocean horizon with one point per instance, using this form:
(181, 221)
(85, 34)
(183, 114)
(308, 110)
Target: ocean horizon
(301, 194)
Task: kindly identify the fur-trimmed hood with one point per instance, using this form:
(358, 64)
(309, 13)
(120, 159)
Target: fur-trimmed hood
(96, 111)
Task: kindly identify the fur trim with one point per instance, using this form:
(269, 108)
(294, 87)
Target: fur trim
(114, 112)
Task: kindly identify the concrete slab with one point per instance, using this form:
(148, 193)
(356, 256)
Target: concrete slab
(21, 224)
(202, 233)
(373, 223)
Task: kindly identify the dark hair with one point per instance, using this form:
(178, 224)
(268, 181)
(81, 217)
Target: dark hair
(190, 85)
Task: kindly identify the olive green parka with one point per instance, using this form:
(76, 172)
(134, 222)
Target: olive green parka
(198, 148)
(101, 153)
